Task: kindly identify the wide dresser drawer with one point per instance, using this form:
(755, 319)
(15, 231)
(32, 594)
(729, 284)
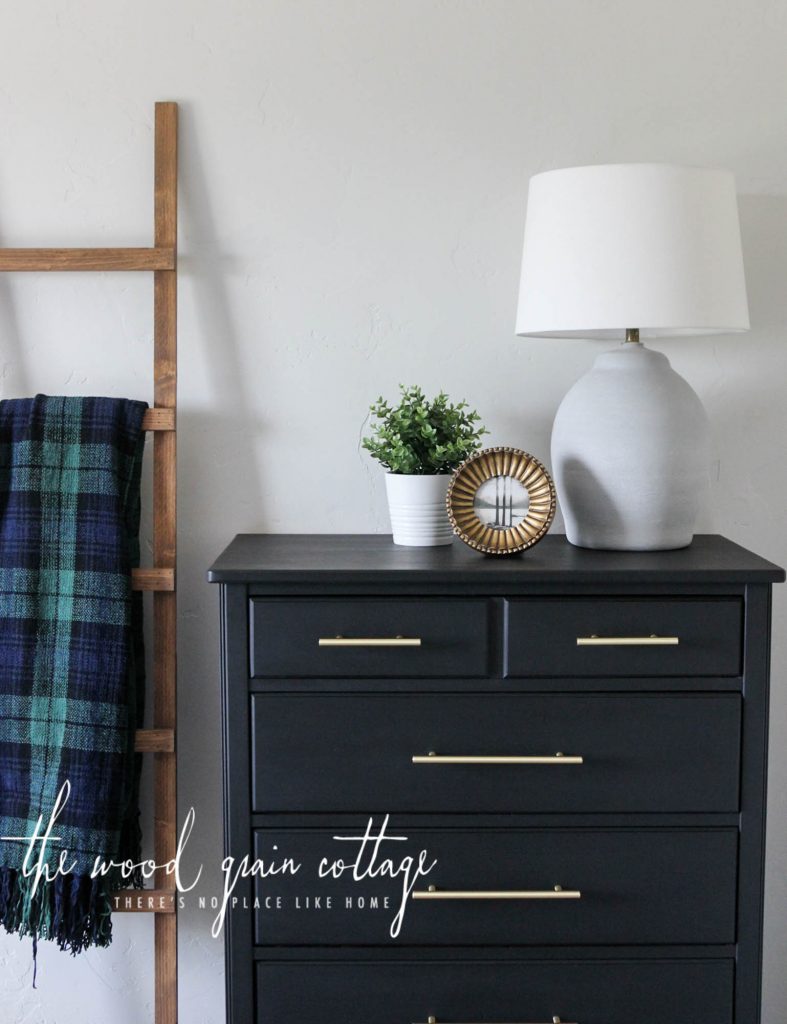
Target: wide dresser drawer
(632, 636)
(366, 638)
(498, 887)
(523, 992)
(495, 753)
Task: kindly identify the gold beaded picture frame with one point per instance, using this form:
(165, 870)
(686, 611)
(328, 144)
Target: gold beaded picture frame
(501, 501)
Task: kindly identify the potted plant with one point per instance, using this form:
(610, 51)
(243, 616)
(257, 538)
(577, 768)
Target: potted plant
(420, 442)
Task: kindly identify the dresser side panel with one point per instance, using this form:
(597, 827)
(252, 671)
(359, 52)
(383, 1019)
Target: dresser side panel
(754, 768)
(237, 802)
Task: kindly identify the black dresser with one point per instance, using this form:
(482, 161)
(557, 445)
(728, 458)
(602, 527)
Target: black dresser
(526, 790)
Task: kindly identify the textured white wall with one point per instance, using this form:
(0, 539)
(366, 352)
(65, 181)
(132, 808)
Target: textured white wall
(353, 186)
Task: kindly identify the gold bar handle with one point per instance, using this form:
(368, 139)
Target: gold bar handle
(628, 641)
(551, 759)
(558, 893)
(555, 1020)
(369, 641)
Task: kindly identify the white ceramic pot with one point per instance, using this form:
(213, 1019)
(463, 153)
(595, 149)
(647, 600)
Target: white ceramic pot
(417, 508)
(630, 454)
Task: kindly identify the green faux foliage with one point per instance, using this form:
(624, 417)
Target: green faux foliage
(422, 437)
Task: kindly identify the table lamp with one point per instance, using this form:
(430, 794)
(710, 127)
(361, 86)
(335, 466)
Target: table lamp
(631, 251)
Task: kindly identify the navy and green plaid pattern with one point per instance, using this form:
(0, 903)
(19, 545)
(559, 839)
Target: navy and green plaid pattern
(71, 659)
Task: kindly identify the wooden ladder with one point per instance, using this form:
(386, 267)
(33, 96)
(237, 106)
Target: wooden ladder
(161, 259)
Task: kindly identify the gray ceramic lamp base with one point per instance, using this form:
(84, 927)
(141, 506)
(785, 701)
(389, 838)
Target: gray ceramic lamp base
(630, 454)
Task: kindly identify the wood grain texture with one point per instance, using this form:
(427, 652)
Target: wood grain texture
(160, 740)
(153, 579)
(164, 548)
(154, 741)
(159, 419)
(156, 258)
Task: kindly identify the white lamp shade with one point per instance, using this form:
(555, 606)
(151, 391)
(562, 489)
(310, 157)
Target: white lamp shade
(649, 246)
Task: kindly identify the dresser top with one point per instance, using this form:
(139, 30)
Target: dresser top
(360, 558)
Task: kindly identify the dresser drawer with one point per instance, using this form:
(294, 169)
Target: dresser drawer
(374, 637)
(597, 992)
(635, 636)
(677, 753)
(649, 886)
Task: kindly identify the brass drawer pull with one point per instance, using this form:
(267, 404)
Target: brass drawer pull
(628, 641)
(433, 758)
(555, 1020)
(369, 641)
(558, 893)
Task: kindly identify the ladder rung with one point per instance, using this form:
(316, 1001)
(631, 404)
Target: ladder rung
(144, 901)
(159, 419)
(155, 741)
(152, 258)
(152, 579)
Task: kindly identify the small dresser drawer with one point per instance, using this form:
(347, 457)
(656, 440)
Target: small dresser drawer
(666, 753)
(496, 887)
(524, 992)
(635, 636)
(367, 638)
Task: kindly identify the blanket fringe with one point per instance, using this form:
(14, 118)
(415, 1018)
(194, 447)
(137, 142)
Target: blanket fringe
(73, 911)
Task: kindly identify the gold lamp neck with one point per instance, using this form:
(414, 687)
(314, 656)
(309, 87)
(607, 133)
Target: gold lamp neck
(632, 335)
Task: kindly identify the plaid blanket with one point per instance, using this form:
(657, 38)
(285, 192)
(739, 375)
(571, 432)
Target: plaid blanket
(71, 659)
